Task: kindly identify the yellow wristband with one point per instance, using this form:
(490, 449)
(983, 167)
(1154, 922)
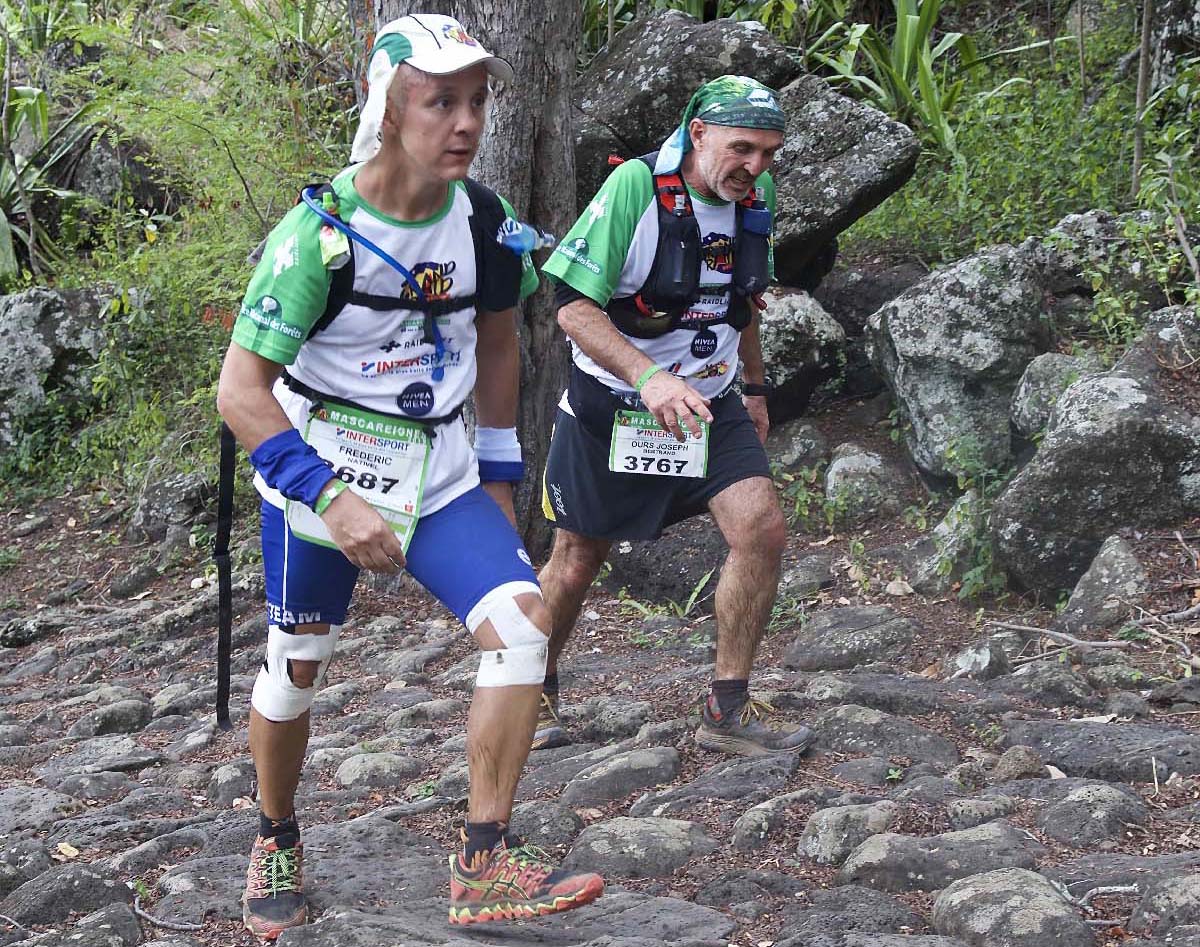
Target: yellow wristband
(328, 495)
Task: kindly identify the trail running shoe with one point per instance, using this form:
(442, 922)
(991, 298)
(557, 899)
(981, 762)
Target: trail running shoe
(515, 880)
(274, 896)
(740, 733)
(550, 732)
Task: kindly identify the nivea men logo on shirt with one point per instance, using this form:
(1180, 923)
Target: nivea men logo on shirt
(704, 343)
(416, 399)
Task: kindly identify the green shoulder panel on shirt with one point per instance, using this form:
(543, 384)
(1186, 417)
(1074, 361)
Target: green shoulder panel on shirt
(592, 254)
(529, 277)
(287, 292)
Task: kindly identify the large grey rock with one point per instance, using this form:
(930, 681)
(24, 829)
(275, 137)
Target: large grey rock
(841, 638)
(639, 848)
(1168, 903)
(846, 909)
(1044, 380)
(839, 160)
(28, 808)
(48, 345)
(1103, 595)
(1119, 752)
(20, 862)
(1010, 907)
(1049, 683)
(907, 863)
(1115, 455)
(173, 501)
(377, 770)
(852, 729)
(801, 343)
(1070, 253)
(671, 568)
(1176, 36)
(607, 717)
(546, 824)
(796, 445)
(747, 780)
(832, 834)
(1103, 869)
(860, 485)
(1090, 815)
(867, 939)
(633, 93)
(755, 827)
(125, 716)
(618, 776)
(55, 893)
(952, 350)
(619, 919)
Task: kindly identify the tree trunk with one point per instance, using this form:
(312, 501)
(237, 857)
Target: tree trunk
(527, 154)
(1143, 87)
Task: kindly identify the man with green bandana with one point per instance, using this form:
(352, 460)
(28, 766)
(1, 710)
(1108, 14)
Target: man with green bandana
(657, 286)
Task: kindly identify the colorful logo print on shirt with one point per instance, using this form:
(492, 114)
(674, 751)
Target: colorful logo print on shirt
(433, 278)
(717, 249)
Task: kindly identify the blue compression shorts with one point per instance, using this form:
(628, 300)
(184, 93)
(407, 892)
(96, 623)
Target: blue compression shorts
(460, 553)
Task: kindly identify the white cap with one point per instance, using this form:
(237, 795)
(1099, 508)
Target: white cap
(429, 42)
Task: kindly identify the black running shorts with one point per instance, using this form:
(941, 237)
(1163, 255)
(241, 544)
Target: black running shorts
(581, 494)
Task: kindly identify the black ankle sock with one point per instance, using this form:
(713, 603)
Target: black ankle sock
(285, 831)
(730, 694)
(550, 684)
(483, 836)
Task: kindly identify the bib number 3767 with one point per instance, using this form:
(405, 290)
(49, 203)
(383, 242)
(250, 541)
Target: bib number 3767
(641, 446)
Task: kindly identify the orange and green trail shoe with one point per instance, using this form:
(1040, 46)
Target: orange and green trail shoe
(274, 896)
(514, 880)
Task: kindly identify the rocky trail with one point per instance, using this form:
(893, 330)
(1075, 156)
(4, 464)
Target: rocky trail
(973, 785)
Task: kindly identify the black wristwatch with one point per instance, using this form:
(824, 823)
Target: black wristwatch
(756, 391)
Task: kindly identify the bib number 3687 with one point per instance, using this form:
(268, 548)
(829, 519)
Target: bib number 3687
(641, 446)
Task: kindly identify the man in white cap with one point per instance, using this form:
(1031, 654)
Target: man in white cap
(362, 459)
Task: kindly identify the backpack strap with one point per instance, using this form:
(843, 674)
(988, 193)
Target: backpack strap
(497, 269)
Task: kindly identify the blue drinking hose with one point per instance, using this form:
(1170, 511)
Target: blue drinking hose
(439, 344)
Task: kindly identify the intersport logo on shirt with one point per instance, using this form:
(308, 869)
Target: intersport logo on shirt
(413, 365)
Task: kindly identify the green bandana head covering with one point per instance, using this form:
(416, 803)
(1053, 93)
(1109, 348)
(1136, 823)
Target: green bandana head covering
(727, 100)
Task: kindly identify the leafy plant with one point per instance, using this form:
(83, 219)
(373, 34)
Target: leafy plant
(9, 557)
(982, 573)
(24, 181)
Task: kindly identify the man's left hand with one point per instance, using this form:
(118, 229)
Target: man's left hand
(756, 407)
(502, 492)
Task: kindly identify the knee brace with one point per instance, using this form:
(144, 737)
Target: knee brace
(522, 660)
(275, 696)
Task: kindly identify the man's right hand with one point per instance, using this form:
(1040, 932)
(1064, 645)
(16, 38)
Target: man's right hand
(675, 404)
(362, 534)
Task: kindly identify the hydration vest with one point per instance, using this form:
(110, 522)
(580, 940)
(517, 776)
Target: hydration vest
(673, 284)
(497, 271)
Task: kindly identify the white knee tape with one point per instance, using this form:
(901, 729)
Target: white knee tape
(274, 695)
(522, 660)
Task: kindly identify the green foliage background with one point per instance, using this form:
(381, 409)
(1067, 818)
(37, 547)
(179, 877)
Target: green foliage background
(243, 103)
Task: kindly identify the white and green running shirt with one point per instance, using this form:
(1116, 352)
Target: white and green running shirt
(609, 252)
(376, 359)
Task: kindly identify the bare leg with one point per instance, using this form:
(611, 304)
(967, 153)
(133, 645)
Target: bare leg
(748, 515)
(565, 580)
(278, 746)
(500, 729)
